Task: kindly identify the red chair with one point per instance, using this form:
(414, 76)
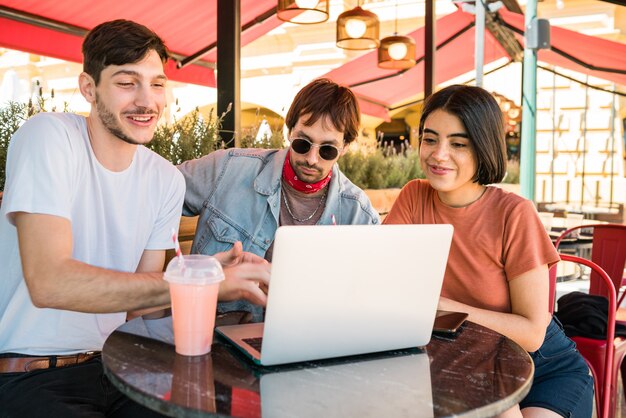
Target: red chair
(608, 250)
(601, 355)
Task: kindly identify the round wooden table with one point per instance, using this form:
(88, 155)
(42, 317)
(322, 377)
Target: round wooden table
(475, 373)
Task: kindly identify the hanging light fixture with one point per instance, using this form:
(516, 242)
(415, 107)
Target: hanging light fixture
(358, 29)
(396, 52)
(303, 11)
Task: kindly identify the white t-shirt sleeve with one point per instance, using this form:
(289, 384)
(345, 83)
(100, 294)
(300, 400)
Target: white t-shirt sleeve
(169, 215)
(42, 168)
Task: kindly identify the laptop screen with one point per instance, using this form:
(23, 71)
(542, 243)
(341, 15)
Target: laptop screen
(352, 289)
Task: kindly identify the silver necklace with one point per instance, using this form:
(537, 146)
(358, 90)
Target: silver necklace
(319, 205)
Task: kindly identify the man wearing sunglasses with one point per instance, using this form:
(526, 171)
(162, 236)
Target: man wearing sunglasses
(245, 194)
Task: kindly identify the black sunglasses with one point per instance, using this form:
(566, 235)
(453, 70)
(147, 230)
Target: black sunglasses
(303, 146)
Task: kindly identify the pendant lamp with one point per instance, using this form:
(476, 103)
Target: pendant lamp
(358, 29)
(303, 12)
(396, 52)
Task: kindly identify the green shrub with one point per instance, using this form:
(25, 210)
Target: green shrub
(274, 141)
(381, 168)
(191, 137)
(352, 164)
(194, 136)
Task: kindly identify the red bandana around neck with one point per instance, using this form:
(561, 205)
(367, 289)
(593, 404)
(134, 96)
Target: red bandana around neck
(289, 175)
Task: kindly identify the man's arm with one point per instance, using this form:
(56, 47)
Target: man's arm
(56, 280)
(152, 261)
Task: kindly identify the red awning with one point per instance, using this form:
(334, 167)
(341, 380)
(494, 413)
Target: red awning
(186, 26)
(381, 90)
(455, 56)
(586, 54)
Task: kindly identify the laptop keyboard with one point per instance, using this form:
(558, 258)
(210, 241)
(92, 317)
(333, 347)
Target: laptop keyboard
(254, 342)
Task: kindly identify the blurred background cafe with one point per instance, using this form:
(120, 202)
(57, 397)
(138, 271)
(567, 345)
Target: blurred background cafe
(237, 65)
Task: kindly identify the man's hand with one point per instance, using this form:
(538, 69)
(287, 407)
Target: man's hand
(236, 255)
(247, 276)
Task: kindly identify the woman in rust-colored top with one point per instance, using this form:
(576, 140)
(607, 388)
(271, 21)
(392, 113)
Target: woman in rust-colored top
(500, 255)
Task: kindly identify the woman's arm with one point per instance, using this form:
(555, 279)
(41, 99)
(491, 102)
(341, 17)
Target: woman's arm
(527, 323)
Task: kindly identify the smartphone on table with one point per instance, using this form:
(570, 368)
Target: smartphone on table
(447, 322)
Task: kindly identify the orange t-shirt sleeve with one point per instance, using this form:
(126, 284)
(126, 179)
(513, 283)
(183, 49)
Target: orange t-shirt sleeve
(405, 207)
(526, 244)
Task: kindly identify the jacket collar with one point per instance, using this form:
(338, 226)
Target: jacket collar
(268, 181)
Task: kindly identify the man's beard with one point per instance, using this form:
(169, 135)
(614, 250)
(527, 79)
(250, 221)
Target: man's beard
(111, 124)
(301, 177)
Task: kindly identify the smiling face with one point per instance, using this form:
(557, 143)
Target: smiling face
(310, 167)
(129, 99)
(448, 159)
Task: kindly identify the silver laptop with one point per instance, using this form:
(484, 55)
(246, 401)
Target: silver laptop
(347, 290)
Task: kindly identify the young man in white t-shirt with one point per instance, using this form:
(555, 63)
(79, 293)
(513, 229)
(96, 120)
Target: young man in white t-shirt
(85, 221)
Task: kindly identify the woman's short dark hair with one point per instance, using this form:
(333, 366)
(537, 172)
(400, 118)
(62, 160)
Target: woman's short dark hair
(480, 114)
(119, 42)
(321, 98)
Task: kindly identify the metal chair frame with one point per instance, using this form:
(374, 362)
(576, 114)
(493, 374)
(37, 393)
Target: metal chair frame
(608, 256)
(601, 357)
(608, 250)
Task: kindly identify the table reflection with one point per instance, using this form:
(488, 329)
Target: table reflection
(353, 389)
(199, 370)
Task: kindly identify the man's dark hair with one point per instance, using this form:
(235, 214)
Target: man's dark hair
(321, 98)
(118, 42)
(483, 120)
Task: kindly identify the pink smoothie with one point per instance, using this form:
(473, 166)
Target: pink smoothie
(193, 313)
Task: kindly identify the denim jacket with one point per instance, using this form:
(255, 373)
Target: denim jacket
(236, 192)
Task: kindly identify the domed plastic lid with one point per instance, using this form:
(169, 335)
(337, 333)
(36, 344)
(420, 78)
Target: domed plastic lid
(194, 269)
